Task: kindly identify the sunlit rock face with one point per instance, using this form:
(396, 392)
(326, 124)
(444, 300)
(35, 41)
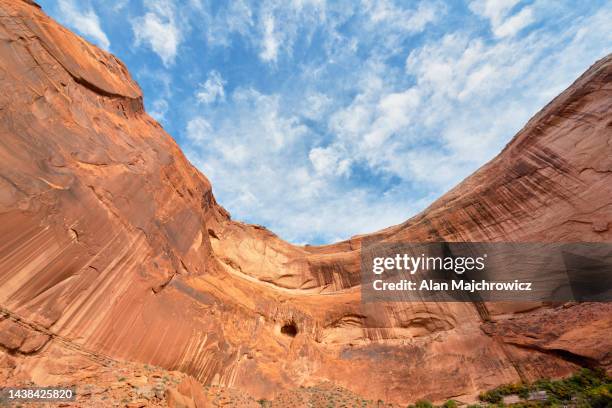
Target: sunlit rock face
(114, 247)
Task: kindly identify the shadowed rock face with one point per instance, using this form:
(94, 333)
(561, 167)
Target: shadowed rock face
(113, 247)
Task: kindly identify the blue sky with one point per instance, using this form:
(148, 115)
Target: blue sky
(324, 119)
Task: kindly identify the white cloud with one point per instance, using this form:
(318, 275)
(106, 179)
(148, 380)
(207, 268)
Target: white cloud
(256, 152)
(494, 10)
(409, 20)
(394, 113)
(236, 18)
(387, 24)
(119, 5)
(497, 12)
(487, 91)
(329, 161)
(515, 23)
(159, 109)
(270, 43)
(468, 98)
(377, 119)
(388, 16)
(426, 13)
(315, 105)
(354, 143)
(270, 27)
(212, 89)
(257, 122)
(85, 22)
(199, 130)
(159, 29)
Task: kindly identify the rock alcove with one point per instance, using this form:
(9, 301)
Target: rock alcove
(289, 329)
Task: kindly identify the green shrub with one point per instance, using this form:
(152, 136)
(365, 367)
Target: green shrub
(450, 404)
(496, 395)
(600, 396)
(586, 388)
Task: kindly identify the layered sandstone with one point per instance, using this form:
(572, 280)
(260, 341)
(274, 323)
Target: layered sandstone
(113, 247)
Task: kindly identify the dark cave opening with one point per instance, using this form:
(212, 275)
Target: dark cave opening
(289, 329)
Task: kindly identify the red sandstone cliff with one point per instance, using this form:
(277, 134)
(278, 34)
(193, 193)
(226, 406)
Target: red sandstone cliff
(114, 249)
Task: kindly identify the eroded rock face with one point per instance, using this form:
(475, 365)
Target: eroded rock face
(113, 247)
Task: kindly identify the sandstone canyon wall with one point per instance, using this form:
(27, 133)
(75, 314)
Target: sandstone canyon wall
(113, 245)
